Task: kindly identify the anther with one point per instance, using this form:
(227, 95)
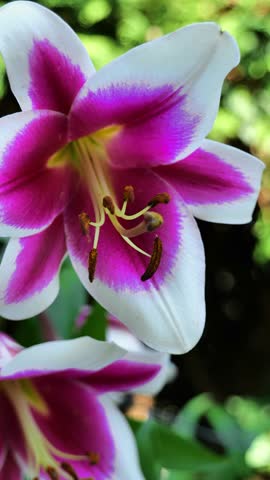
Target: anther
(159, 198)
(108, 203)
(153, 220)
(52, 473)
(68, 468)
(154, 260)
(92, 261)
(128, 194)
(93, 458)
(84, 222)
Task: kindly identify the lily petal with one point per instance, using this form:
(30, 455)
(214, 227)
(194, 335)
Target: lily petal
(76, 425)
(138, 352)
(165, 106)
(3, 448)
(167, 372)
(126, 465)
(81, 354)
(167, 311)
(11, 469)
(8, 348)
(29, 275)
(124, 375)
(24, 151)
(219, 183)
(52, 62)
(14, 440)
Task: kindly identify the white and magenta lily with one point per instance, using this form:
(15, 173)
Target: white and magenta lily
(56, 420)
(111, 167)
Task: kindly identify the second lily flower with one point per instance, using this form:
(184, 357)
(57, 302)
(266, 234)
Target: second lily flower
(57, 419)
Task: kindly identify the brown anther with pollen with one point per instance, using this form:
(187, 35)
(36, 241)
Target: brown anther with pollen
(128, 193)
(52, 473)
(94, 458)
(153, 220)
(92, 261)
(159, 198)
(154, 260)
(108, 203)
(68, 468)
(84, 222)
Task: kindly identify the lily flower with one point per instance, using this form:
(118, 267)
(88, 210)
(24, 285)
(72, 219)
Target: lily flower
(111, 167)
(57, 419)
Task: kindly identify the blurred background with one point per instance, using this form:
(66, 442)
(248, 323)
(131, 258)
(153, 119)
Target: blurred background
(232, 360)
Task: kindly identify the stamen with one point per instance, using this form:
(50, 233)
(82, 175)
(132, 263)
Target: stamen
(52, 473)
(153, 220)
(159, 198)
(128, 194)
(94, 457)
(92, 261)
(108, 204)
(85, 223)
(122, 214)
(154, 260)
(68, 468)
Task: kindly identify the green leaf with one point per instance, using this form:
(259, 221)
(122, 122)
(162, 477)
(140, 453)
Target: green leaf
(186, 421)
(28, 332)
(96, 324)
(150, 466)
(178, 453)
(135, 425)
(66, 307)
(180, 476)
(160, 448)
(227, 429)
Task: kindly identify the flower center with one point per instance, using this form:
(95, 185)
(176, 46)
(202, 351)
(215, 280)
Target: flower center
(41, 453)
(89, 156)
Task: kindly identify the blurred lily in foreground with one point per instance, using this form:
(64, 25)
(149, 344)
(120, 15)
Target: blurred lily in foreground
(56, 423)
(111, 167)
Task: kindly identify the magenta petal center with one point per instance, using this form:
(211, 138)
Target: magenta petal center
(55, 80)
